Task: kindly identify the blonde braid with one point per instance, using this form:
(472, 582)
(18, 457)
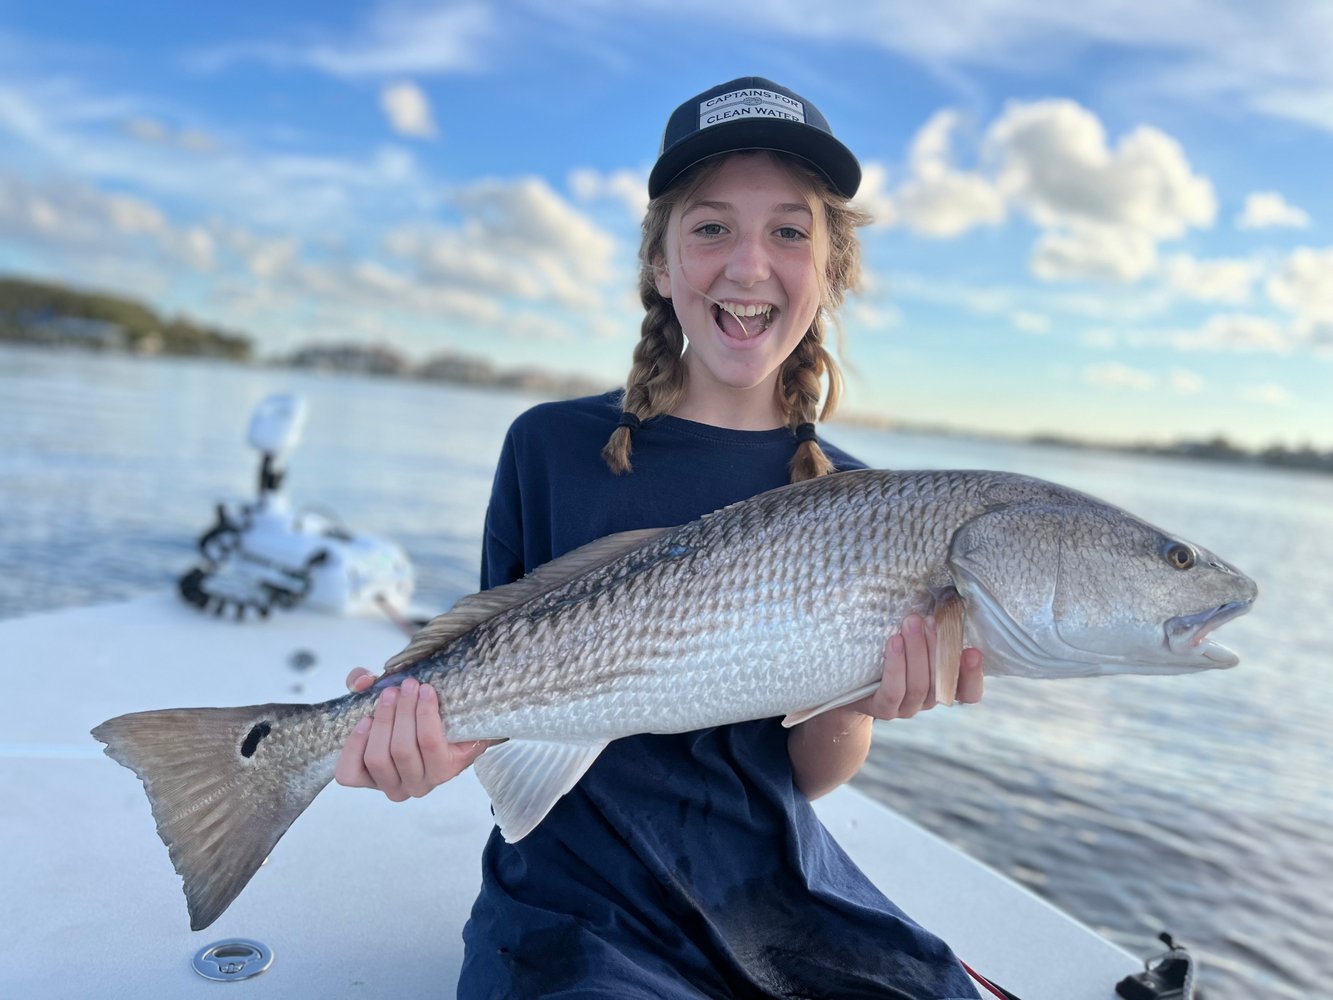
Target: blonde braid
(800, 385)
(656, 382)
(801, 378)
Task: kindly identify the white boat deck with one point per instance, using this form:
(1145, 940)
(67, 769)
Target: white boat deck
(362, 898)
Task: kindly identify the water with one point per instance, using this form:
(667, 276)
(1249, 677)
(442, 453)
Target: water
(1193, 804)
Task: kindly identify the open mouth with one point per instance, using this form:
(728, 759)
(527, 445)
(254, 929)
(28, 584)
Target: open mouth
(742, 322)
(1189, 633)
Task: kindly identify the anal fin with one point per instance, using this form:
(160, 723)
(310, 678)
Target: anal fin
(526, 778)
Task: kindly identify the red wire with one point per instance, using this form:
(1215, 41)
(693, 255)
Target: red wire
(983, 980)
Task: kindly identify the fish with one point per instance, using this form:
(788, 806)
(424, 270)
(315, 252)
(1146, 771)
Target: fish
(777, 606)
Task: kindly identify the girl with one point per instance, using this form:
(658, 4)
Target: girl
(692, 865)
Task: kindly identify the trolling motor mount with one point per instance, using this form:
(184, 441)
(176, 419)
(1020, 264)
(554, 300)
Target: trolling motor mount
(258, 555)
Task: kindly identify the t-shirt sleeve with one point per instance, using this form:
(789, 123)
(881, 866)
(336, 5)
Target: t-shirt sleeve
(502, 538)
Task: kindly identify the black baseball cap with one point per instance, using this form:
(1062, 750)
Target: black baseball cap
(752, 113)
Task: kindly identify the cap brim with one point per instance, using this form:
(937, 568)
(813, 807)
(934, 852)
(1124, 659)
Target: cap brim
(825, 153)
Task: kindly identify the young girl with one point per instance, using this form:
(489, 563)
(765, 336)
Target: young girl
(692, 865)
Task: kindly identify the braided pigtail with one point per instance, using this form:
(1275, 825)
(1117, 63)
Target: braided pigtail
(800, 386)
(811, 367)
(656, 382)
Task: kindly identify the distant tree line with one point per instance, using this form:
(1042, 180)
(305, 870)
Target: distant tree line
(1217, 449)
(48, 313)
(463, 369)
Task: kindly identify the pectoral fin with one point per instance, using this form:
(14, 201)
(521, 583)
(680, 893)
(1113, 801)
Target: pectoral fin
(948, 646)
(795, 718)
(526, 778)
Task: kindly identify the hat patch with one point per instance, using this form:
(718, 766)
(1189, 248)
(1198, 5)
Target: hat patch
(752, 102)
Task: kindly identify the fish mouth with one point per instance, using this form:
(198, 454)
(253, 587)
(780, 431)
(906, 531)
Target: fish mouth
(1187, 635)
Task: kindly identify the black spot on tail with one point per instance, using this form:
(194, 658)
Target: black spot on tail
(251, 742)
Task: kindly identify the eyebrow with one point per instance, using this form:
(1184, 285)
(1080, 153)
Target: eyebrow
(722, 206)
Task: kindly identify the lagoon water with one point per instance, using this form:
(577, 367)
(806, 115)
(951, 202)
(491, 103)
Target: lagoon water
(1196, 804)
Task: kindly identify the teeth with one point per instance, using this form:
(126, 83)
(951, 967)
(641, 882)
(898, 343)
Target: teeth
(739, 311)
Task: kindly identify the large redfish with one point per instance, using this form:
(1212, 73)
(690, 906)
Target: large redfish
(776, 606)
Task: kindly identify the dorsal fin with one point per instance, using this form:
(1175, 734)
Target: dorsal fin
(474, 609)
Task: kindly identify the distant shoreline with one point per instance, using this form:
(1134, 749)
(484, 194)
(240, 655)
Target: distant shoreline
(465, 371)
(47, 315)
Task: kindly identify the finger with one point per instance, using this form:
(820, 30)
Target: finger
(467, 753)
(971, 678)
(443, 760)
(437, 755)
(918, 666)
(360, 679)
(351, 770)
(885, 702)
(378, 756)
(403, 744)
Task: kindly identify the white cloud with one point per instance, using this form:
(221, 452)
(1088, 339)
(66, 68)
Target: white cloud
(396, 40)
(874, 197)
(66, 134)
(864, 316)
(1102, 209)
(518, 239)
(1265, 58)
(147, 129)
(1270, 58)
(1055, 159)
(1229, 280)
(151, 130)
(629, 187)
(1185, 382)
(521, 261)
(1100, 339)
(1104, 253)
(1235, 332)
(82, 219)
(936, 199)
(1266, 209)
(408, 110)
(266, 257)
(1266, 394)
(1030, 322)
(949, 204)
(1317, 334)
(1114, 375)
(1303, 284)
(526, 217)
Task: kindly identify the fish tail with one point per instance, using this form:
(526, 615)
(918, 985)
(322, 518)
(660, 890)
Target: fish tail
(224, 785)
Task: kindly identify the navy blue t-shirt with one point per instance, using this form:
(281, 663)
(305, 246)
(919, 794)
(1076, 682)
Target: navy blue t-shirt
(686, 865)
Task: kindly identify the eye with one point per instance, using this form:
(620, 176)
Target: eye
(1180, 556)
(709, 229)
(790, 233)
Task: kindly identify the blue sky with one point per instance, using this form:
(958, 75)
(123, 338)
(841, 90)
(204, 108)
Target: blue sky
(1109, 219)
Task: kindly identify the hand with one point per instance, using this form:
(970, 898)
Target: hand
(908, 685)
(402, 751)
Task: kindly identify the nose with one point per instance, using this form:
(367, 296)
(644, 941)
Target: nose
(748, 263)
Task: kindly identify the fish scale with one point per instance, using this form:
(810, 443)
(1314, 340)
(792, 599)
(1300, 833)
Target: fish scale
(777, 606)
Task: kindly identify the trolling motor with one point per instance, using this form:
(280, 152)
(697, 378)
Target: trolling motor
(1168, 976)
(259, 555)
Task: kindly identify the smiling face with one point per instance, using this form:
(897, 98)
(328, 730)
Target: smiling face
(744, 251)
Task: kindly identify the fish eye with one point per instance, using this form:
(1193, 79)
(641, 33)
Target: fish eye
(1180, 556)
